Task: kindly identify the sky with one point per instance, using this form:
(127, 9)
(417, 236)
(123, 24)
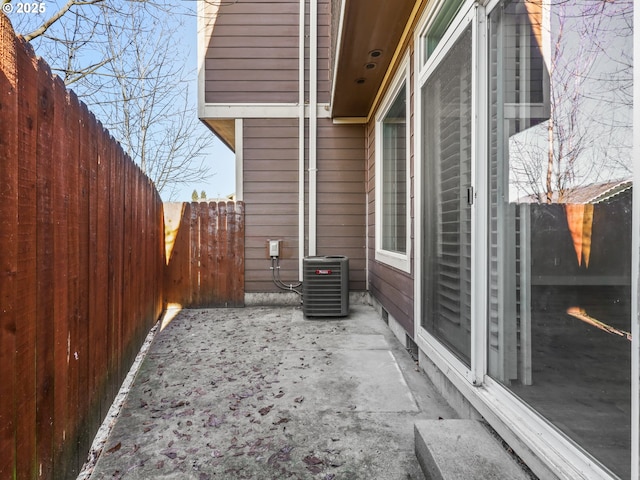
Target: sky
(222, 182)
(220, 158)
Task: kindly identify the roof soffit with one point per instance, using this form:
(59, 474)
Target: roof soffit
(371, 31)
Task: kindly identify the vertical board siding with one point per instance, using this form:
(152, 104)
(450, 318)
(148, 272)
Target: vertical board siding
(80, 262)
(205, 254)
(270, 187)
(341, 209)
(252, 53)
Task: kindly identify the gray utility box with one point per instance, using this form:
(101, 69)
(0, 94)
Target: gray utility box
(325, 286)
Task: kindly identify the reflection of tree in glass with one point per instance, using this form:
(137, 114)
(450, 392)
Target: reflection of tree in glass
(587, 47)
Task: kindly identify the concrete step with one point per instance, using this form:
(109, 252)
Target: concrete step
(462, 450)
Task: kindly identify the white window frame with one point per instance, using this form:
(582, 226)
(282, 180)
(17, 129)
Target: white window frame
(635, 259)
(401, 261)
(435, 350)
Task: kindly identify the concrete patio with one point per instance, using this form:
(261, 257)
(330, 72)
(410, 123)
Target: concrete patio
(263, 393)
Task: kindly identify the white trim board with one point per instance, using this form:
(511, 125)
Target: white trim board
(258, 110)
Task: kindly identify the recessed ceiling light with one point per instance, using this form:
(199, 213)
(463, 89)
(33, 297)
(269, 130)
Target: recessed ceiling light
(370, 66)
(360, 80)
(375, 53)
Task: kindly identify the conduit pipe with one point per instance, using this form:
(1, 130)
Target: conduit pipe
(301, 117)
(313, 122)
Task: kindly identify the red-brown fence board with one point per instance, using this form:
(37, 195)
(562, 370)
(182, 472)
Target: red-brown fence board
(237, 230)
(192, 296)
(45, 275)
(86, 134)
(8, 251)
(72, 205)
(211, 283)
(60, 217)
(129, 281)
(224, 251)
(205, 260)
(26, 275)
(73, 260)
(116, 265)
(202, 295)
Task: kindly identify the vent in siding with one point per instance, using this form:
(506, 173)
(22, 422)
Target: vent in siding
(412, 347)
(325, 287)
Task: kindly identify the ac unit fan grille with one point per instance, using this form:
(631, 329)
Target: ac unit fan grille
(325, 286)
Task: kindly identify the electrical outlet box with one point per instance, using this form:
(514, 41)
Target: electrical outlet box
(274, 248)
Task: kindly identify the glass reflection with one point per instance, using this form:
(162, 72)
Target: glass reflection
(560, 221)
(394, 176)
(447, 212)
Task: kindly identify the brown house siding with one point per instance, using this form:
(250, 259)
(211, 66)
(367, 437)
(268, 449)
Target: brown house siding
(252, 56)
(393, 288)
(324, 42)
(341, 210)
(271, 197)
(270, 187)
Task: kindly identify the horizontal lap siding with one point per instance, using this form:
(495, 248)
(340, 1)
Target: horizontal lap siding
(341, 228)
(393, 288)
(324, 31)
(270, 186)
(252, 55)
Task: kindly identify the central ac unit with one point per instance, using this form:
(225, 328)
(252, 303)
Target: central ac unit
(325, 286)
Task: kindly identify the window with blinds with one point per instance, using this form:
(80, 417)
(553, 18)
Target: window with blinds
(447, 137)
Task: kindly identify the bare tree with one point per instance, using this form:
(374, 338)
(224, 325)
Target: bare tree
(124, 61)
(150, 111)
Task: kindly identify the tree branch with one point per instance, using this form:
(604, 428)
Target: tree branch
(57, 16)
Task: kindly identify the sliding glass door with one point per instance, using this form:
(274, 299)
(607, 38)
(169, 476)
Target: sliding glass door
(447, 139)
(560, 163)
(532, 100)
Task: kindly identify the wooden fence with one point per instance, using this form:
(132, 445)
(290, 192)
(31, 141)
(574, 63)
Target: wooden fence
(205, 254)
(81, 262)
